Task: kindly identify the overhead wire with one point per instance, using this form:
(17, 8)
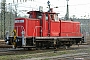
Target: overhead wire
(46, 3)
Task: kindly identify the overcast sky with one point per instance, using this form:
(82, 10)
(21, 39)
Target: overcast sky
(76, 7)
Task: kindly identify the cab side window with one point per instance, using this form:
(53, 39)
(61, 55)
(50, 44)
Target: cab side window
(39, 15)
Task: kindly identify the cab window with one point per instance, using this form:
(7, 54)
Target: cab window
(39, 15)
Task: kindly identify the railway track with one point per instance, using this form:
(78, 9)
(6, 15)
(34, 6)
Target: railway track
(81, 53)
(19, 51)
(44, 54)
(8, 50)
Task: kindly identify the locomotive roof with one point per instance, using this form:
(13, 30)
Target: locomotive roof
(33, 11)
(43, 12)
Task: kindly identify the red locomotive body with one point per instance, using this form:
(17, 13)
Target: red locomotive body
(45, 29)
(57, 28)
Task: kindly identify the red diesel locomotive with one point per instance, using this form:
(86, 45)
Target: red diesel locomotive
(44, 30)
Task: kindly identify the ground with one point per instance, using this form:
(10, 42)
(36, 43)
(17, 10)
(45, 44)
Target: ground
(75, 53)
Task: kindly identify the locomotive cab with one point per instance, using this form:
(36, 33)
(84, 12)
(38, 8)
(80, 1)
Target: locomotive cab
(35, 14)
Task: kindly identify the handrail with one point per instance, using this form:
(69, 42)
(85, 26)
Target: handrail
(36, 32)
(22, 29)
